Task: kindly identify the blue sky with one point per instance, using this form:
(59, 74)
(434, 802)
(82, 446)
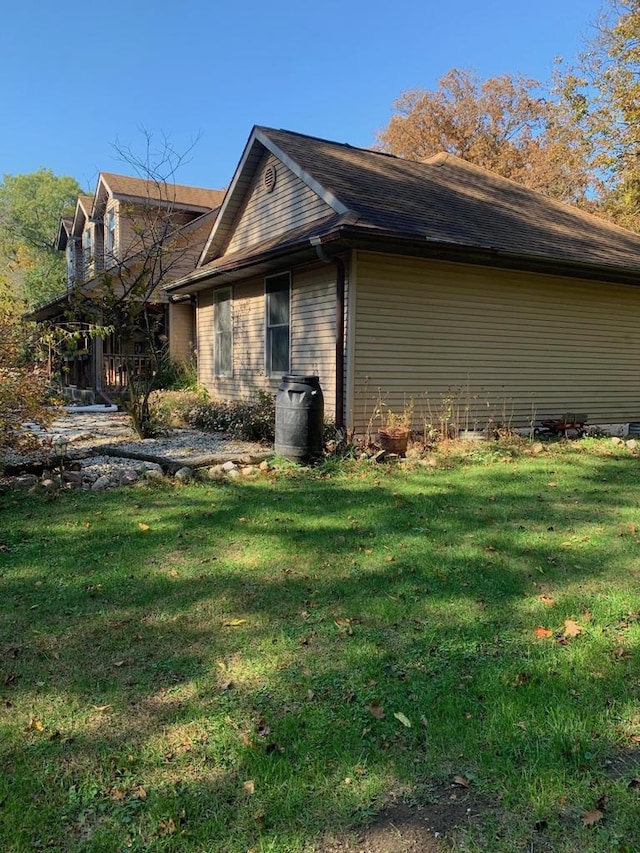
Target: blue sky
(75, 79)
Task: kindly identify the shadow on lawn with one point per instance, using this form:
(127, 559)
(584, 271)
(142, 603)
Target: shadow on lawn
(249, 630)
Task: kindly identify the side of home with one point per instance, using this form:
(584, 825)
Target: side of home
(436, 284)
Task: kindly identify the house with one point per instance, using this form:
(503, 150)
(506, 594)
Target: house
(436, 283)
(130, 229)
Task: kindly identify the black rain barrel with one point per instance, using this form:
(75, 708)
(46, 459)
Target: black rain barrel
(299, 417)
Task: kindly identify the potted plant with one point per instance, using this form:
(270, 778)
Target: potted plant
(394, 432)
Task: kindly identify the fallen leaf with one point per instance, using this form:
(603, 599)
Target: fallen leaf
(233, 623)
(635, 738)
(143, 526)
(377, 710)
(173, 573)
(101, 707)
(404, 720)
(543, 633)
(571, 628)
(592, 817)
(546, 600)
(249, 786)
(36, 725)
(140, 793)
(118, 663)
(461, 781)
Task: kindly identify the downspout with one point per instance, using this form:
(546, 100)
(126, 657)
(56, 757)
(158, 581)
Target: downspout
(340, 311)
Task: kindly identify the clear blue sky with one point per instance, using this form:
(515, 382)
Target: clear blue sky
(76, 78)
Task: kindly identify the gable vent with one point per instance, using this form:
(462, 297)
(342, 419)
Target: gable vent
(269, 178)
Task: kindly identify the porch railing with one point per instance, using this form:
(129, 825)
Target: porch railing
(117, 367)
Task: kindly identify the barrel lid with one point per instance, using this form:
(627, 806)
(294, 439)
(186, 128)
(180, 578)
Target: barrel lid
(301, 379)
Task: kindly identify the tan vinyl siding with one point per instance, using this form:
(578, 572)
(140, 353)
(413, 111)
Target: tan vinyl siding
(312, 338)
(181, 331)
(266, 215)
(509, 345)
(313, 323)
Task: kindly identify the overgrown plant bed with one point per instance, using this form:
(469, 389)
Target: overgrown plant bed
(326, 659)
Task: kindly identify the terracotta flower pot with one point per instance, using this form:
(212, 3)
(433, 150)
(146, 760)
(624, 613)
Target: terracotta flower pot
(394, 440)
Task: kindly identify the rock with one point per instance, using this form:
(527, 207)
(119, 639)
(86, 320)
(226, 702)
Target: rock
(129, 477)
(26, 481)
(183, 475)
(229, 466)
(249, 471)
(265, 466)
(616, 440)
(233, 474)
(73, 477)
(48, 484)
(102, 483)
(537, 447)
(216, 472)
(632, 444)
(152, 466)
(154, 475)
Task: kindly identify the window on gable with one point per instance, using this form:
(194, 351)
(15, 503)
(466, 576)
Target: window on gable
(278, 293)
(110, 235)
(222, 333)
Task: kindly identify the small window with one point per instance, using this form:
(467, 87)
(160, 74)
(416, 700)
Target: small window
(278, 292)
(110, 235)
(222, 333)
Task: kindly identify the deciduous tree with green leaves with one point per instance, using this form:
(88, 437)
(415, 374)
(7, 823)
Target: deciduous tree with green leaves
(31, 206)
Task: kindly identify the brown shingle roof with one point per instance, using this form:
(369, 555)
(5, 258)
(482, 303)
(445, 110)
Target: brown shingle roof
(448, 200)
(196, 197)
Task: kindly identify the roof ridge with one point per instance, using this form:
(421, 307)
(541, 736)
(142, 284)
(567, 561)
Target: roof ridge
(346, 145)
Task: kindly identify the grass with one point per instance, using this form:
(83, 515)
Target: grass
(219, 668)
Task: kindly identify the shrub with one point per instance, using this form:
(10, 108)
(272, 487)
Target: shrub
(246, 420)
(23, 385)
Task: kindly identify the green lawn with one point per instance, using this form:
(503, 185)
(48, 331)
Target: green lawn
(252, 666)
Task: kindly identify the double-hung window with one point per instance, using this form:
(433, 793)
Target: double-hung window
(110, 236)
(278, 293)
(87, 251)
(222, 333)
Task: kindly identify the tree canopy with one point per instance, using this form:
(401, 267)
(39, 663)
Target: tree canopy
(31, 206)
(506, 124)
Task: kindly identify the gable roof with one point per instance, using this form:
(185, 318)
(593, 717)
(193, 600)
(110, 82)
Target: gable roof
(195, 198)
(444, 203)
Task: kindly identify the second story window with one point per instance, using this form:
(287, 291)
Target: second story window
(71, 261)
(110, 236)
(87, 250)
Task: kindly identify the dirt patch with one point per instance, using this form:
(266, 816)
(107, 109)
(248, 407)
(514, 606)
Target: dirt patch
(429, 827)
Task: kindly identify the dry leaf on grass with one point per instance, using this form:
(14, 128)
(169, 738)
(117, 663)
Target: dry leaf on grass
(461, 781)
(543, 633)
(233, 623)
(592, 817)
(249, 786)
(143, 526)
(404, 720)
(377, 710)
(571, 628)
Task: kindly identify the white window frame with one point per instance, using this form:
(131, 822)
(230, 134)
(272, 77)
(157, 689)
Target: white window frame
(219, 295)
(110, 235)
(268, 352)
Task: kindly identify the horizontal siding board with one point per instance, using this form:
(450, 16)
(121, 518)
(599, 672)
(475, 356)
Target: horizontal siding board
(265, 215)
(494, 340)
(312, 336)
